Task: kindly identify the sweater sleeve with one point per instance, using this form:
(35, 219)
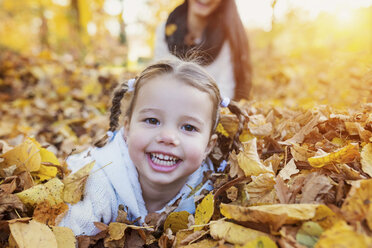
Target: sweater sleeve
(97, 203)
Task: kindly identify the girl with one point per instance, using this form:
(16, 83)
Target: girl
(213, 29)
(161, 152)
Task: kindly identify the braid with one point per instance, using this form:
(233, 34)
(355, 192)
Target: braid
(242, 116)
(115, 112)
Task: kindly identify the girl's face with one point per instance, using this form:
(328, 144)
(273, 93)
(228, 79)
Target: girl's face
(203, 8)
(168, 135)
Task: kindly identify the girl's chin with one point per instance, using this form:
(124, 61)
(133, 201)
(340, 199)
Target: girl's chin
(162, 168)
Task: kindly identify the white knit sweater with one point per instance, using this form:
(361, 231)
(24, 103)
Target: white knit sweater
(221, 69)
(117, 183)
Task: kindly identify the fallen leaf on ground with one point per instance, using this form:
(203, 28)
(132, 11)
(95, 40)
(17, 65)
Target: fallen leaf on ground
(204, 212)
(366, 159)
(249, 160)
(343, 235)
(33, 235)
(176, 221)
(234, 233)
(64, 236)
(288, 170)
(343, 155)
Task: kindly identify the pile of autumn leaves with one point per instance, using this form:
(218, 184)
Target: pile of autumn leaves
(300, 179)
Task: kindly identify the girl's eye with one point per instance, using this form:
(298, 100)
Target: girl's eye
(189, 128)
(152, 121)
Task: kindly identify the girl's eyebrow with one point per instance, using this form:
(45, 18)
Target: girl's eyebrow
(148, 110)
(197, 120)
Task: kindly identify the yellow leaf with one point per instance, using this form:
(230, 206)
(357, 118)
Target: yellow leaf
(357, 205)
(262, 242)
(64, 236)
(204, 211)
(75, 183)
(275, 213)
(170, 29)
(176, 221)
(50, 191)
(116, 236)
(221, 130)
(234, 233)
(366, 159)
(342, 235)
(33, 235)
(249, 160)
(26, 156)
(343, 155)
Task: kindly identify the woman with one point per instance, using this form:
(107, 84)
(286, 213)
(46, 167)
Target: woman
(212, 29)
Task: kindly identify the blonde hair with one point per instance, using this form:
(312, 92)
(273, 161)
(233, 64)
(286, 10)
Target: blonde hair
(188, 72)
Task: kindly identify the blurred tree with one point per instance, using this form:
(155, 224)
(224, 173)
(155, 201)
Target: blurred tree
(160, 10)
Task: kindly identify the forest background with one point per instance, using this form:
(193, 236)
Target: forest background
(61, 59)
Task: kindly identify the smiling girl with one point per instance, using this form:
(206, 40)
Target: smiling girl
(160, 152)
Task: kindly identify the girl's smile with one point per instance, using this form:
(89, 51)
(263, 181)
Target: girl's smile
(162, 162)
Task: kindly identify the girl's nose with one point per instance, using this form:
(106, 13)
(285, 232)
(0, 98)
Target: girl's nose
(168, 137)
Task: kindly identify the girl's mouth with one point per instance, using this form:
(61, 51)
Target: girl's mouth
(162, 162)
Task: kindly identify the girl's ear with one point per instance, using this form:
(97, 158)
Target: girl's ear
(126, 128)
(211, 144)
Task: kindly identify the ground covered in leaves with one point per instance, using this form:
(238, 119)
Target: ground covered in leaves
(301, 177)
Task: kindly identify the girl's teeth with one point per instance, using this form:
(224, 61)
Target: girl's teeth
(162, 159)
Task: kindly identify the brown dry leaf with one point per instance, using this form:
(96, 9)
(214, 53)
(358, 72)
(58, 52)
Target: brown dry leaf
(314, 185)
(116, 235)
(343, 235)
(358, 205)
(205, 243)
(301, 152)
(300, 135)
(272, 214)
(366, 159)
(232, 193)
(64, 236)
(51, 191)
(343, 155)
(230, 124)
(288, 170)
(261, 189)
(234, 233)
(10, 202)
(273, 162)
(49, 215)
(235, 169)
(187, 237)
(258, 126)
(263, 241)
(75, 183)
(135, 240)
(26, 156)
(249, 160)
(204, 212)
(176, 221)
(33, 235)
(282, 191)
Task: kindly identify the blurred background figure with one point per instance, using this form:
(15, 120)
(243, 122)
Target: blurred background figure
(213, 30)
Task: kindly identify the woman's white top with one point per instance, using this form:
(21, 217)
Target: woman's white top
(113, 181)
(221, 69)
